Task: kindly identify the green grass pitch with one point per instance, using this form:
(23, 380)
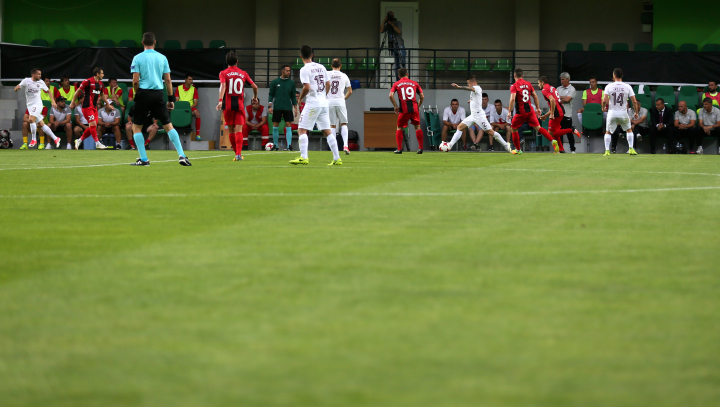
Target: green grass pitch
(414, 280)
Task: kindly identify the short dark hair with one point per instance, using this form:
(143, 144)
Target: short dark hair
(497, 101)
(708, 100)
(518, 73)
(543, 79)
(454, 100)
(231, 59)
(306, 52)
(148, 39)
(97, 70)
(660, 100)
(62, 79)
(472, 78)
(485, 95)
(112, 79)
(402, 72)
(284, 66)
(188, 76)
(32, 71)
(618, 73)
(592, 77)
(336, 63)
(712, 81)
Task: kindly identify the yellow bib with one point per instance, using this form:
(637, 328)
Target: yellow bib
(186, 95)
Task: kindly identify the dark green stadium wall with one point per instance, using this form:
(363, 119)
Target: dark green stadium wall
(690, 24)
(80, 19)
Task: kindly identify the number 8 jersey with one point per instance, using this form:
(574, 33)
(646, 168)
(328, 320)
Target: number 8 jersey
(338, 83)
(315, 75)
(235, 78)
(407, 89)
(523, 93)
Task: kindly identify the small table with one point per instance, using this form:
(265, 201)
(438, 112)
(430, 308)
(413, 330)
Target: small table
(380, 129)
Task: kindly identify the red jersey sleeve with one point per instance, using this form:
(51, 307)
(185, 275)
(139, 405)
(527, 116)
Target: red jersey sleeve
(84, 85)
(119, 92)
(248, 80)
(223, 77)
(105, 91)
(56, 94)
(195, 95)
(394, 88)
(418, 88)
(531, 90)
(546, 93)
(177, 93)
(513, 89)
(44, 111)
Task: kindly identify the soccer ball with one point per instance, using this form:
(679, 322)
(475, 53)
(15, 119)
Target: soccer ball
(444, 146)
(269, 146)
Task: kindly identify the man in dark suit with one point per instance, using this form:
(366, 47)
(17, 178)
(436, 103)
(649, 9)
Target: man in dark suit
(661, 123)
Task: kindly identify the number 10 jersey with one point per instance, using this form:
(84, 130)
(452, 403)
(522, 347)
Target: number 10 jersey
(235, 78)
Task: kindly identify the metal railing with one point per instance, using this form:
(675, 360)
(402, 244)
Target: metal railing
(375, 68)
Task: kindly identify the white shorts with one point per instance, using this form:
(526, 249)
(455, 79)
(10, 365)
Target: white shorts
(617, 118)
(338, 115)
(36, 111)
(310, 116)
(478, 119)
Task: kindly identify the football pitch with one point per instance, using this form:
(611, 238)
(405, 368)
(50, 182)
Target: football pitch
(453, 279)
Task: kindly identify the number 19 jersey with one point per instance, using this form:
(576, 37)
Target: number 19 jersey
(338, 83)
(407, 90)
(522, 90)
(235, 78)
(315, 75)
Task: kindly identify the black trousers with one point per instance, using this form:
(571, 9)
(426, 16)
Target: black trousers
(700, 135)
(655, 133)
(643, 131)
(567, 123)
(676, 135)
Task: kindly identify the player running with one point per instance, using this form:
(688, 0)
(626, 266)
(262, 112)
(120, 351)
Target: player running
(149, 69)
(524, 112)
(33, 97)
(477, 114)
(232, 101)
(89, 91)
(338, 92)
(556, 113)
(314, 78)
(408, 110)
(616, 95)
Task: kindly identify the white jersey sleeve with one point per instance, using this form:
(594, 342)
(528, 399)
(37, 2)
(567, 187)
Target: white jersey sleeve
(43, 86)
(476, 101)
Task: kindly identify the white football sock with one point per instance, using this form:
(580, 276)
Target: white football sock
(303, 141)
(455, 138)
(33, 131)
(580, 117)
(500, 140)
(344, 134)
(608, 139)
(332, 142)
(49, 132)
(631, 139)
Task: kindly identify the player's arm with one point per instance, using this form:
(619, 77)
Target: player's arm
(196, 99)
(348, 92)
(467, 88)
(171, 94)
(305, 91)
(392, 100)
(20, 85)
(511, 103)
(136, 83)
(605, 101)
(223, 89)
(552, 108)
(537, 103)
(636, 106)
(51, 118)
(422, 97)
(75, 98)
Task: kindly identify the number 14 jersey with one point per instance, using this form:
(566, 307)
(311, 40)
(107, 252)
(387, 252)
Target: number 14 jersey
(235, 78)
(618, 94)
(315, 75)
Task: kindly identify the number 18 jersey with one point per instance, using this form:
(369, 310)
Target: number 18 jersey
(618, 94)
(523, 93)
(338, 83)
(235, 78)
(407, 90)
(315, 75)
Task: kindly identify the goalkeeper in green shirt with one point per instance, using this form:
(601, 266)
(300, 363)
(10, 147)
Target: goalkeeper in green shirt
(282, 100)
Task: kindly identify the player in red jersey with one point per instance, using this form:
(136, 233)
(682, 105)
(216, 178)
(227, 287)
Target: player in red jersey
(556, 113)
(520, 93)
(232, 101)
(408, 109)
(92, 89)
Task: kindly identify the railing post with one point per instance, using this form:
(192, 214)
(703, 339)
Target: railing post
(468, 65)
(267, 75)
(367, 70)
(434, 69)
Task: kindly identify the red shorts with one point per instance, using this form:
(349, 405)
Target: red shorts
(404, 118)
(91, 114)
(554, 124)
(522, 118)
(234, 117)
(192, 109)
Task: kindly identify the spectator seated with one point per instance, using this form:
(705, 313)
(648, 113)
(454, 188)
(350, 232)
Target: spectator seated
(256, 123)
(188, 93)
(61, 120)
(709, 119)
(109, 122)
(452, 117)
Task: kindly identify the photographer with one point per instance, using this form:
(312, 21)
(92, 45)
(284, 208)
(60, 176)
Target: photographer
(396, 44)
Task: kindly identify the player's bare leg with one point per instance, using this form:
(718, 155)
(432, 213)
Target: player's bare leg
(462, 127)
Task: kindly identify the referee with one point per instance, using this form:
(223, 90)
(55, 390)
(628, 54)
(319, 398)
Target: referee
(282, 102)
(150, 69)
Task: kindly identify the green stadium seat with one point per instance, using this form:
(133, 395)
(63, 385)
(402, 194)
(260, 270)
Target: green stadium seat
(326, 62)
(688, 48)
(643, 47)
(711, 48)
(348, 66)
(105, 44)
(665, 47)
(181, 117)
(124, 88)
(645, 99)
(127, 109)
(667, 94)
(574, 46)
(620, 47)
(592, 117)
(172, 44)
(297, 64)
(47, 104)
(503, 65)
(688, 90)
(597, 46)
(39, 43)
(435, 65)
(458, 65)
(127, 44)
(61, 44)
(689, 95)
(83, 44)
(369, 64)
(481, 65)
(217, 44)
(194, 44)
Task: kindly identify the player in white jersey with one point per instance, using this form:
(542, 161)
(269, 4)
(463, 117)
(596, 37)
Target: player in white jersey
(314, 78)
(33, 96)
(338, 92)
(477, 114)
(614, 102)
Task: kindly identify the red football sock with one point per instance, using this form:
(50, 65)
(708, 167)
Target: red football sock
(232, 140)
(419, 134)
(238, 143)
(197, 126)
(85, 134)
(562, 132)
(545, 134)
(516, 140)
(560, 142)
(399, 139)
